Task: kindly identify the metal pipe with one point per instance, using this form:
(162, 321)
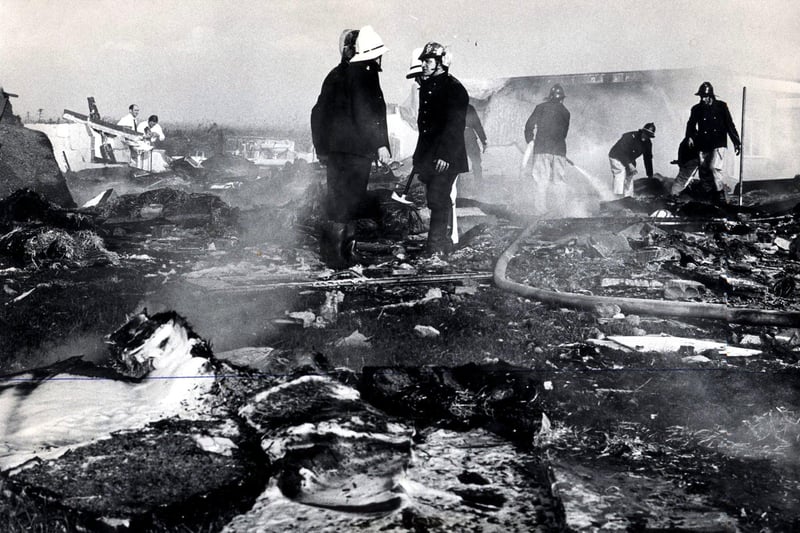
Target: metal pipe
(640, 305)
(741, 149)
(355, 282)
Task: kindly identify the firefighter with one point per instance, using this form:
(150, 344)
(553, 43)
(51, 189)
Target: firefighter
(709, 126)
(349, 131)
(624, 153)
(473, 134)
(547, 129)
(440, 155)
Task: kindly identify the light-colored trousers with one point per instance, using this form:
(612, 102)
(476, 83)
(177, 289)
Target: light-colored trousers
(549, 167)
(622, 177)
(714, 160)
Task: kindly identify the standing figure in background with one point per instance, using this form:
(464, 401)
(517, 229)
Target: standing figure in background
(709, 126)
(130, 121)
(152, 130)
(473, 133)
(349, 132)
(440, 155)
(547, 129)
(624, 153)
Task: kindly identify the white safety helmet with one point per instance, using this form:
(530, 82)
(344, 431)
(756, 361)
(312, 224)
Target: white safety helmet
(415, 68)
(369, 45)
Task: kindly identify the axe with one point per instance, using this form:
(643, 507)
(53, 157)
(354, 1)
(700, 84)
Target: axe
(402, 197)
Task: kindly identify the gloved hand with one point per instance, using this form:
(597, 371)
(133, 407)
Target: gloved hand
(383, 155)
(738, 149)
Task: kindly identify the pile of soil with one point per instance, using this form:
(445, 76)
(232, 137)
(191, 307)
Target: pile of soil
(27, 161)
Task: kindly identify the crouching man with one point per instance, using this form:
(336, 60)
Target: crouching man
(624, 153)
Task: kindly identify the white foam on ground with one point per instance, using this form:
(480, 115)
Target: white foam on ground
(71, 410)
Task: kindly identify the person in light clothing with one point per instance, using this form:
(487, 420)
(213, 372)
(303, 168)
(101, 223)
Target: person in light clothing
(130, 120)
(151, 129)
(624, 153)
(547, 129)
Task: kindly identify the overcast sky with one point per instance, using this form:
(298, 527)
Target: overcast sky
(262, 62)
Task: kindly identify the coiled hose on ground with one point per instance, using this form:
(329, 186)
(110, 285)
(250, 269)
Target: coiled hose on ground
(639, 305)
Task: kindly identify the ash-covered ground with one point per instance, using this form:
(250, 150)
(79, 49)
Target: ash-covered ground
(407, 393)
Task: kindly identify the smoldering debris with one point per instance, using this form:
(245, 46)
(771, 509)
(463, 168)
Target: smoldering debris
(170, 206)
(38, 234)
(326, 451)
(53, 247)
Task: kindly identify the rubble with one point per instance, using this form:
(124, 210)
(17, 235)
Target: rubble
(583, 383)
(27, 161)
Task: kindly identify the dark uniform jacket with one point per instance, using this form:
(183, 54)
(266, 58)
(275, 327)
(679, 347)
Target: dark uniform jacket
(473, 131)
(629, 147)
(710, 125)
(551, 120)
(350, 113)
(332, 86)
(441, 120)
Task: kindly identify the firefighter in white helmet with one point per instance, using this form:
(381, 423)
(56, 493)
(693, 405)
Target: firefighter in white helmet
(349, 131)
(440, 155)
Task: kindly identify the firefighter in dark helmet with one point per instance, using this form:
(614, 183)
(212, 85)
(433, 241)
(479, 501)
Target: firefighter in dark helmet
(440, 155)
(709, 126)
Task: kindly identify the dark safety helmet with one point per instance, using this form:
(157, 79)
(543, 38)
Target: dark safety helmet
(649, 129)
(556, 93)
(706, 89)
(347, 44)
(432, 49)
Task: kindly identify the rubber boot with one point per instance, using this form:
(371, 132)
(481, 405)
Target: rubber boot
(349, 244)
(438, 236)
(331, 245)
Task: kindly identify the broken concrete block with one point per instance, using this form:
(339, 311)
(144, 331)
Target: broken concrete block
(466, 289)
(307, 318)
(743, 286)
(683, 289)
(608, 244)
(783, 244)
(426, 331)
(354, 340)
(750, 340)
(656, 253)
(633, 320)
(606, 310)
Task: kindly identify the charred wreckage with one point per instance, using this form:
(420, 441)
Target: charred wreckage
(548, 373)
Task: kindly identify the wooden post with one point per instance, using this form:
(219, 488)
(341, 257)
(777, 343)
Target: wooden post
(741, 150)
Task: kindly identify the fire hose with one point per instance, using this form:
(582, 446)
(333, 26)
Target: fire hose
(735, 315)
